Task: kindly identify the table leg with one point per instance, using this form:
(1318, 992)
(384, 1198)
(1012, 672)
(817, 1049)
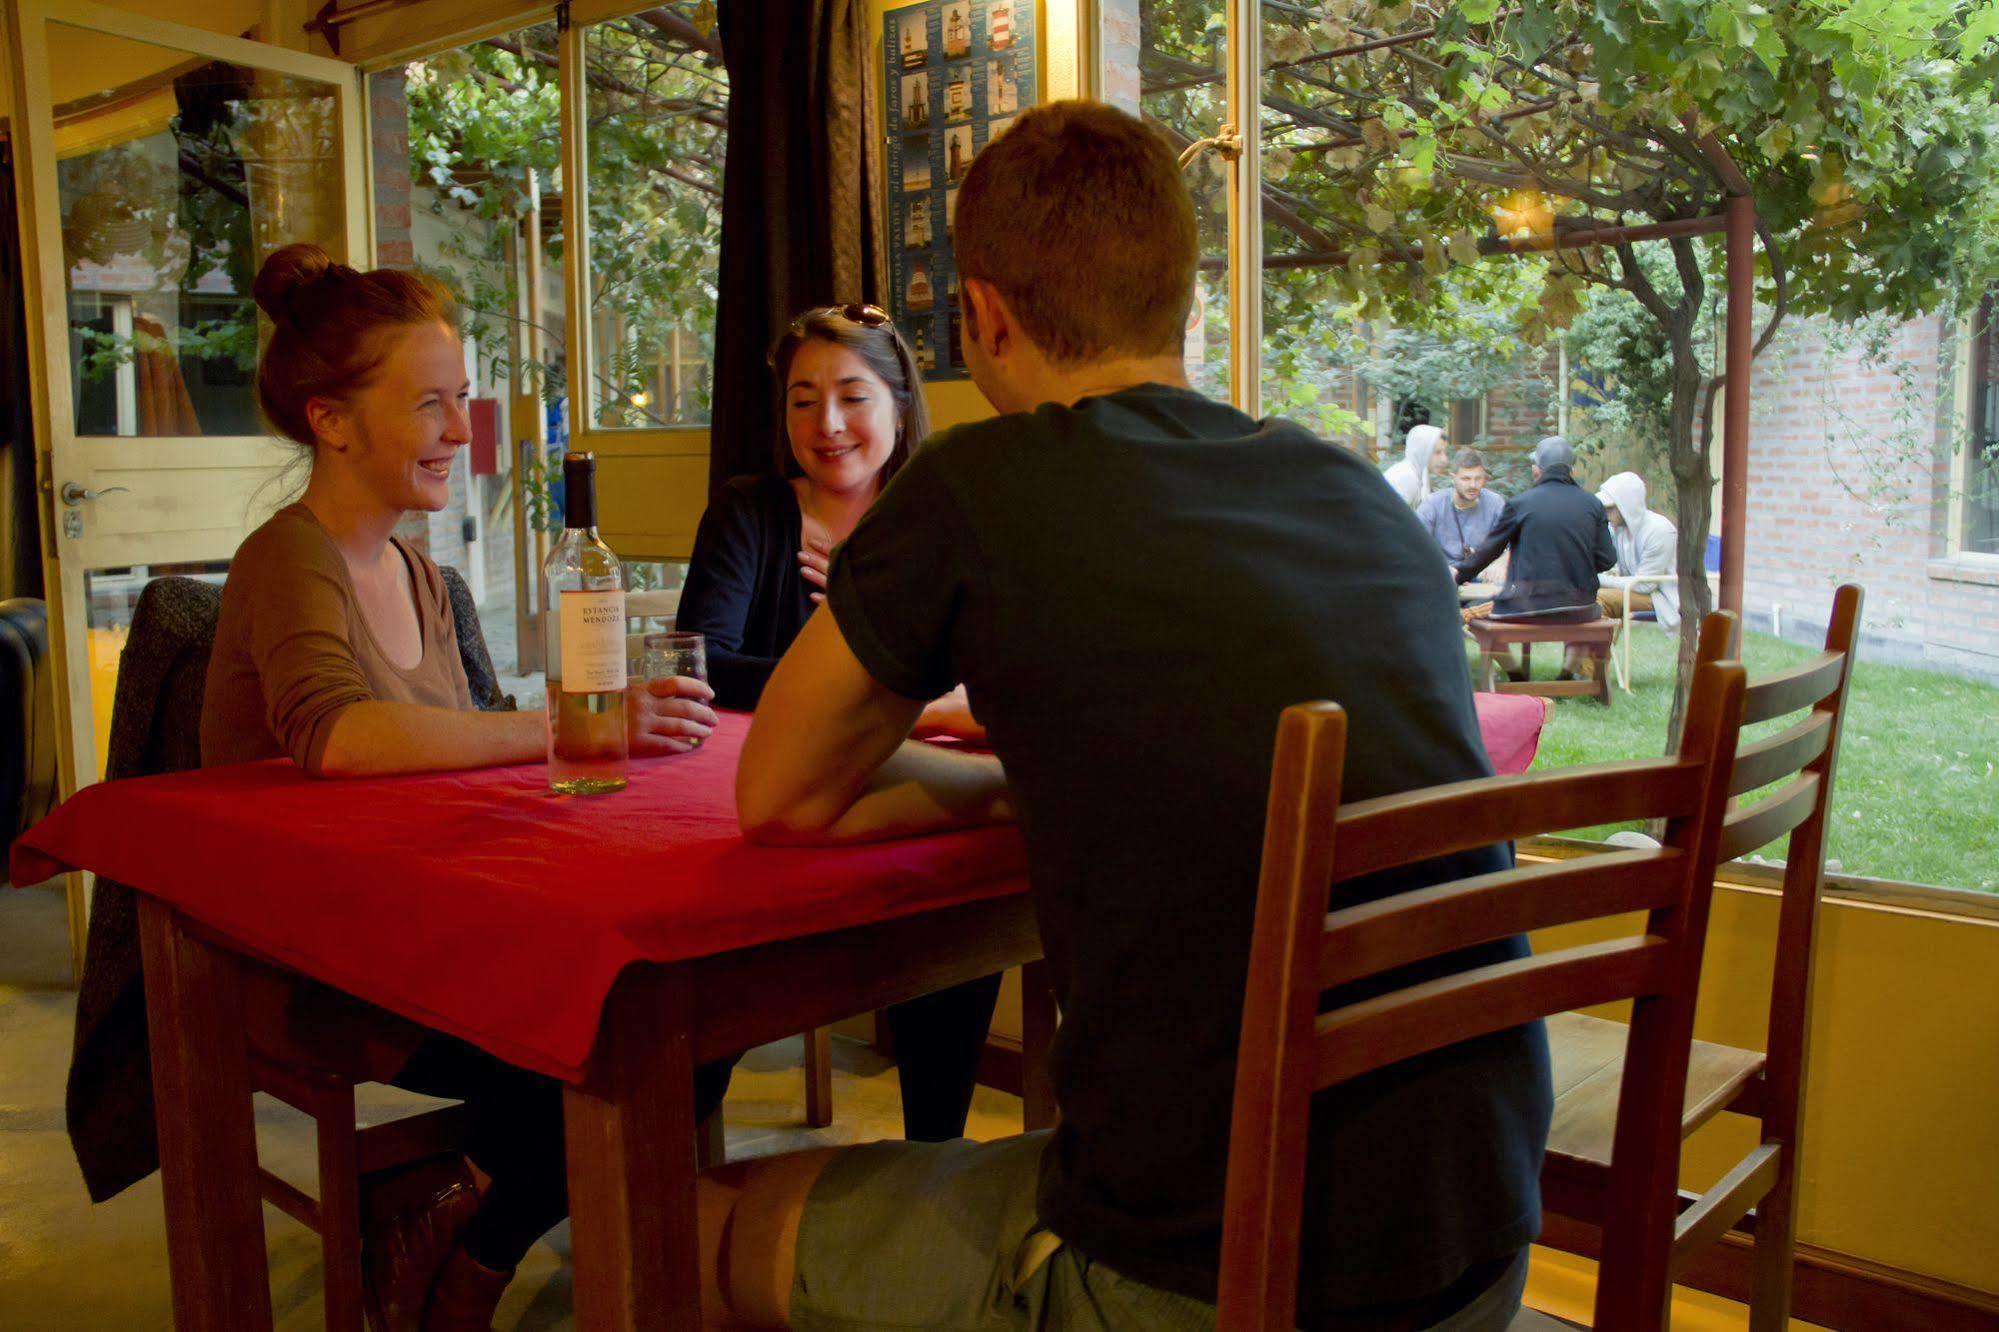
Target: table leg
(208, 1144)
(1037, 1033)
(819, 1077)
(631, 1131)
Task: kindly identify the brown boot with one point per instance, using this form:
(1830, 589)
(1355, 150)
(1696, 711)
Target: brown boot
(412, 1219)
(464, 1295)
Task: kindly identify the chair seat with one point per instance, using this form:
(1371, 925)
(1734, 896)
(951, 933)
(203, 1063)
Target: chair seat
(1588, 1059)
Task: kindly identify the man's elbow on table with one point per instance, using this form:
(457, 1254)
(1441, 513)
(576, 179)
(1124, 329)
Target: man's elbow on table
(770, 817)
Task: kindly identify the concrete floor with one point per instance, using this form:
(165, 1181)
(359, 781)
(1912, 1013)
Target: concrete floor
(66, 1266)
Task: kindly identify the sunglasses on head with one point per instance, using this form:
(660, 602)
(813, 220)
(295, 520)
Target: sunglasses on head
(854, 312)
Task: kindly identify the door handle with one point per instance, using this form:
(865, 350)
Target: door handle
(72, 494)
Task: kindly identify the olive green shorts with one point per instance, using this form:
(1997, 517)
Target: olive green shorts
(942, 1236)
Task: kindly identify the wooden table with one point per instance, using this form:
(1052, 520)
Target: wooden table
(630, 1124)
(613, 942)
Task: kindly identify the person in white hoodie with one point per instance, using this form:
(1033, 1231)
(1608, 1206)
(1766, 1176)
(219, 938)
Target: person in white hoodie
(1422, 458)
(1647, 545)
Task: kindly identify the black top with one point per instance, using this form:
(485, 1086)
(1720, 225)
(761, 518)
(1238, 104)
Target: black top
(1561, 542)
(743, 587)
(1132, 589)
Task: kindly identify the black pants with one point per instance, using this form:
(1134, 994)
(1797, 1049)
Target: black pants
(515, 1117)
(938, 1039)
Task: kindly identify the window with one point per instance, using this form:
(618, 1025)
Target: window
(657, 99)
(1185, 91)
(1978, 470)
(171, 190)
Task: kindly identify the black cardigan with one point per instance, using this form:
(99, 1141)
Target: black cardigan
(744, 591)
(1561, 542)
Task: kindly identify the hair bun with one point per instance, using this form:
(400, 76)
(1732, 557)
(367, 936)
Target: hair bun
(288, 274)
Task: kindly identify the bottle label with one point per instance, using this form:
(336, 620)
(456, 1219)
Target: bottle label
(593, 641)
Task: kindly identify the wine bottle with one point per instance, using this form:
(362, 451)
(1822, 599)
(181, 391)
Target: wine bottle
(583, 641)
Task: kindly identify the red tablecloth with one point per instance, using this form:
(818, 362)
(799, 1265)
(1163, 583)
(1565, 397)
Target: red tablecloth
(481, 905)
(1511, 725)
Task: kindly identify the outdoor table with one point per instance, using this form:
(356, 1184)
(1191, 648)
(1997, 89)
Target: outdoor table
(614, 942)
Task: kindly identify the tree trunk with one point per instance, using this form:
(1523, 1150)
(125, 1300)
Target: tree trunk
(1693, 492)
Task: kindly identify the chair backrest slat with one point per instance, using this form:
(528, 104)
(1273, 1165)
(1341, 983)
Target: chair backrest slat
(1771, 817)
(1387, 1029)
(1390, 932)
(1799, 687)
(1377, 834)
(1778, 756)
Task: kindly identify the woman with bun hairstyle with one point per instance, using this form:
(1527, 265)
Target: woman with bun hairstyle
(336, 647)
(849, 409)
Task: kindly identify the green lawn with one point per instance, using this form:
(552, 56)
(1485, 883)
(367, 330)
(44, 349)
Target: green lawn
(1917, 793)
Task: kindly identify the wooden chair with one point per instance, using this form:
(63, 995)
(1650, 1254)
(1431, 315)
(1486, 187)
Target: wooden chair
(1769, 1086)
(156, 721)
(1290, 1049)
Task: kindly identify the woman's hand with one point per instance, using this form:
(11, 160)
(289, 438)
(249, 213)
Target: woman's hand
(812, 561)
(950, 716)
(669, 715)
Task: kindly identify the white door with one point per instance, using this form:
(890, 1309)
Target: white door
(160, 165)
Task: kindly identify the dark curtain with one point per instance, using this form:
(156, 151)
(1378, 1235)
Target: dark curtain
(801, 211)
(20, 521)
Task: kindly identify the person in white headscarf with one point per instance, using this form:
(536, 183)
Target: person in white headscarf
(1648, 545)
(1422, 458)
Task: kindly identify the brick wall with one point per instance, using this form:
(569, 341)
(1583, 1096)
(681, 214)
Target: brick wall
(1835, 495)
(389, 124)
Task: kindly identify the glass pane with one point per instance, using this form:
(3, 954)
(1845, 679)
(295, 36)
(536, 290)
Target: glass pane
(1183, 89)
(1981, 469)
(175, 177)
(658, 98)
(1308, 338)
(465, 161)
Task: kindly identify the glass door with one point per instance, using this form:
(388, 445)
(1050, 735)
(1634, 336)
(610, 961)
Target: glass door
(162, 165)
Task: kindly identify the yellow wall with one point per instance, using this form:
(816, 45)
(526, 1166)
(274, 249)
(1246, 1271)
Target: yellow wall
(1901, 1160)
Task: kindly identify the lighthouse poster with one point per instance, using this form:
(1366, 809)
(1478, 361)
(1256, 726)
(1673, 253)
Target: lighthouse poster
(955, 73)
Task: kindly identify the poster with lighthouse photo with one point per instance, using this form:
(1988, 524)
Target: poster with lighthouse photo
(955, 74)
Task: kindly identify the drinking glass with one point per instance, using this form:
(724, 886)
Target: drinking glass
(677, 653)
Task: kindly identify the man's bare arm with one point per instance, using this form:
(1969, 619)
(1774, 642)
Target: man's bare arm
(827, 760)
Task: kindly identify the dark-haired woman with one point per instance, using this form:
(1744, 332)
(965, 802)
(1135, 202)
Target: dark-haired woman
(336, 646)
(850, 408)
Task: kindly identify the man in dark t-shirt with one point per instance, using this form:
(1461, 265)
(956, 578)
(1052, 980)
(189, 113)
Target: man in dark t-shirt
(1132, 581)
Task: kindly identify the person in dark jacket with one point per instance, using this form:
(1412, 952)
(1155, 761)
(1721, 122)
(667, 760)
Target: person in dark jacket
(851, 409)
(1560, 541)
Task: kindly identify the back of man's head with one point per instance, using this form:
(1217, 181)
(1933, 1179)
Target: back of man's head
(1554, 451)
(1078, 218)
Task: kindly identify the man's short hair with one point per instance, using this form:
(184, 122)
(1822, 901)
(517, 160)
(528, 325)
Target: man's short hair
(1554, 451)
(1468, 459)
(1078, 217)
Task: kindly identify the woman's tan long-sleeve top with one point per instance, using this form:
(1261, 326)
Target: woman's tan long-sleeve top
(292, 650)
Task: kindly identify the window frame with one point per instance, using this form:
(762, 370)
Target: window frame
(1967, 410)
